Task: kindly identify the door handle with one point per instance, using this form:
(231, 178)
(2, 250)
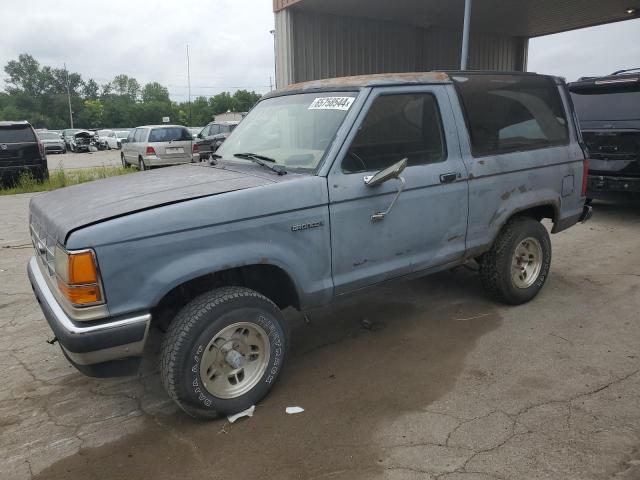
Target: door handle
(449, 177)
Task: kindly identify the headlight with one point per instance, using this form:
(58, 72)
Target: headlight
(78, 277)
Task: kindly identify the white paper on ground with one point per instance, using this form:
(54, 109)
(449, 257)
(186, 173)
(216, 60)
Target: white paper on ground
(292, 410)
(245, 413)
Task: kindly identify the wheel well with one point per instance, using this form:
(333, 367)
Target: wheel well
(269, 280)
(538, 213)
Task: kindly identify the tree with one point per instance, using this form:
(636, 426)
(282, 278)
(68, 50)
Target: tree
(91, 90)
(243, 100)
(154, 92)
(24, 75)
(92, 114)
(126, 86)
(221, 103)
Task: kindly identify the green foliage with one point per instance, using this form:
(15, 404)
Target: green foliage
(39, 94)
(60, 178)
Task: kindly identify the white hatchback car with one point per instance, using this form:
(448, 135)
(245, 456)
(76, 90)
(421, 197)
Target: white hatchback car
(157, 145)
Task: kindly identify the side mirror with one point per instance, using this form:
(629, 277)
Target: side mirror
(388, 173)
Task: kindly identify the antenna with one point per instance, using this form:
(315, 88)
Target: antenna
(189, 82)
(68, 95)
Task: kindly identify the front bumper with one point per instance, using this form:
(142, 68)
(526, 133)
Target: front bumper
(603, 184)
(104, 348)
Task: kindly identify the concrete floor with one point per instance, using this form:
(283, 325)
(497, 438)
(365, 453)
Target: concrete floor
(448, 384)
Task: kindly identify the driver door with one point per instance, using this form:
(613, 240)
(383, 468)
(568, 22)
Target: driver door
(427, 225)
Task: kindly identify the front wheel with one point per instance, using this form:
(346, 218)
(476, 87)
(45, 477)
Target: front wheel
(124, 162)
(223, 352)
(517, 266)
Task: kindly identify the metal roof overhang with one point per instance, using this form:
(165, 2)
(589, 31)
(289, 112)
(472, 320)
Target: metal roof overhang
(522, 18)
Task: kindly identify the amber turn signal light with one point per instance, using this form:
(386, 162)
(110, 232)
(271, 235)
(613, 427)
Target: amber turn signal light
(82, 268)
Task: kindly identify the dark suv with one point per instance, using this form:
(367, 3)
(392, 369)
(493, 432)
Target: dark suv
(609, 112)
(211, 137)
(20, 151)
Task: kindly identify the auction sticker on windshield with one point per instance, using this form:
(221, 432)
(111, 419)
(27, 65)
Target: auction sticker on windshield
(331, 103)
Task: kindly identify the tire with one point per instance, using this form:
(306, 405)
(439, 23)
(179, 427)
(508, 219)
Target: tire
(517, 279)
(124, 162)
(141, 166)
(193, 346)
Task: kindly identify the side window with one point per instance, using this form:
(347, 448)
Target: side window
(508, 113)
(131, 137)
(214, 130)
(139, 136)
(395, 127)
(205, 131)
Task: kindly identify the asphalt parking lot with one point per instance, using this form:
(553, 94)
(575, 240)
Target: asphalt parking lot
(443, 383)
(70, 160)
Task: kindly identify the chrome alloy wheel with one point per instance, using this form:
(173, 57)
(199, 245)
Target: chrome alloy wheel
(526, 263)
(235, 360)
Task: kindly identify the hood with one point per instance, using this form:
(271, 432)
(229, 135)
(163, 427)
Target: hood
(84, 134)
(62, 211)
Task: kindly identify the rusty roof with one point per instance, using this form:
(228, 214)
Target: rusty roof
(377, 79)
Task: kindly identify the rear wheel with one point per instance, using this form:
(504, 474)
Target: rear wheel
(517, 266)
(223, 352)
(141, 165)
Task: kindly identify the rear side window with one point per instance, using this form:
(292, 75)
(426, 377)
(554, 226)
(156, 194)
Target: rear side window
(137, 136)
(508, 113)
(395, 127)
(167, 134)
(16, 135)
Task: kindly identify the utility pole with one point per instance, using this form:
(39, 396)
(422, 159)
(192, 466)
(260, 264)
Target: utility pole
(68, 95)
(189, 82)
(464, 56)
(275, 55)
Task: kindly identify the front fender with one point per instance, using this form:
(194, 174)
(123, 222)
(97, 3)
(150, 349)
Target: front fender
(137, 274)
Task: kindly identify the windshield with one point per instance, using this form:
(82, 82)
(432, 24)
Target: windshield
(293, 130)
(619, 105)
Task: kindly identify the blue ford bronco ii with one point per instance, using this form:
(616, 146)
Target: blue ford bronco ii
(324, 189)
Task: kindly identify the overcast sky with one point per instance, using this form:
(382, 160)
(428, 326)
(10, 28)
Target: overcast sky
(229, 42)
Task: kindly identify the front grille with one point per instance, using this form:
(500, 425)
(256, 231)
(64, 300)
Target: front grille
(44, 245)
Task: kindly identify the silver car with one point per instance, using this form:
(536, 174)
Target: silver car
(157, 145)
(52, 142)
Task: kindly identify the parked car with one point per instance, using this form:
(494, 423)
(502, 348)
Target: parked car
(195, 131)
(324, 189)
(211, 137)
(52, 142)
(67, 136)
(122, 135)
(84, 141)
(157, 145)
(609, 112)
(107, 139)
(20, 151)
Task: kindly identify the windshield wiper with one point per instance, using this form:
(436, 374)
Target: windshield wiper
(260, 159)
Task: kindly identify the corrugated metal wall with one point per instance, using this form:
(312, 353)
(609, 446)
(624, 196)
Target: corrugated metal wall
(323, 46)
